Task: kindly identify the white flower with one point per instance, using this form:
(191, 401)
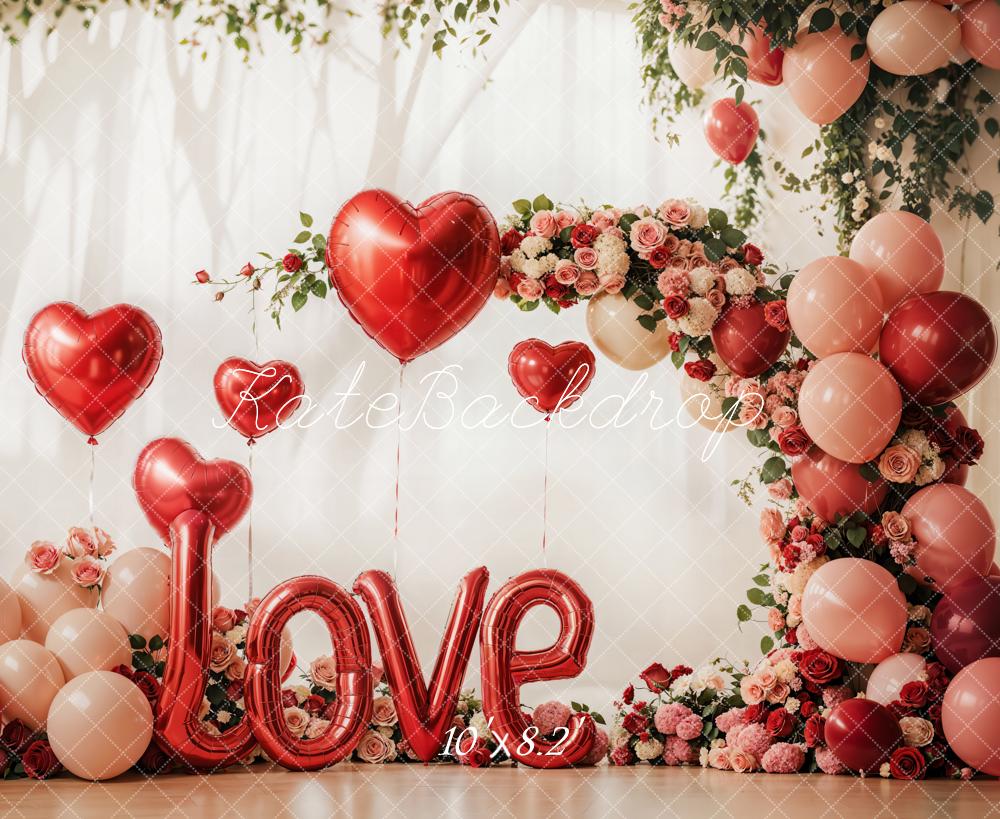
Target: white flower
(618, 736)
(699, 215)
(223, 716)
(703, 757)
(609, 243)
(917, 732)
(534, 269)
(879, 123)
(702, 279)
(847, 177)
(517, 260)
(237, 634)
(648, 749)
(885, 771)
(797, 580)
(535, 245)
(740, 282)
(700, 318)
(481, 724)
(609, 265)
(792, 705)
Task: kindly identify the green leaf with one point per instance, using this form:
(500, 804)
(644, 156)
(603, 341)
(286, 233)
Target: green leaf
(992, 126)
(717, 219)
(522, 206)
(302, 236)
(762, 580)
(773, 469)
(856, 535)
(732, 237)
(155, 643)
(305, 219)
(647, 322)
(907, 585)
(643, 302)
(755, 596)
(822, 19)
(143, 661)
(868, 472)
(858, 51)
(758, 437)
(740, 91)
(743, 613)
(983, 205)
(576, 706)
(599, 718)
(708, 41)
(715, 249)
(299, 298)
(766, 644)
(319, 241)
(542, 202)
(137, 642)
(677, 359)
(215, 694)
(319, 289)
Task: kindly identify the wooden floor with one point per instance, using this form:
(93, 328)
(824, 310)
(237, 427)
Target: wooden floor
(448, 790)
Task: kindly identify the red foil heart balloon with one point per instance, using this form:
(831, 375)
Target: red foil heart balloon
(763, 62)
(745, 342)
(731, 130)
(170, 477)
(413, 277)
(256, 398)
(551, 378)
(91, 368)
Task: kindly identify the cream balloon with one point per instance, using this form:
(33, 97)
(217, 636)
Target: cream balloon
(30, 677)
(614, 328)
(100, 724)
(696, 68)
(821, 76)
(703, 399)
(913, 37)
(88, 640)
(45, 597)
(136, 591)
(10, 613)
(889, 676)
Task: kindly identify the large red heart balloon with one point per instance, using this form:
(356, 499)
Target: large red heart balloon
(831, 487)
(763, 62)
(256, 398)
(551, 378)
(413, 277)
(730, 129)
(170, 477)
(745, 342)
(90, 368)
(938, 345)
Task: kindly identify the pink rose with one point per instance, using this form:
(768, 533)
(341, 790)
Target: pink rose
(80, 543)
(766, 677)
(775, 620)
(566, 272)
(316, 728)
(603, 220)
(384, 712)
(502, 289)
(223, 653)
(323, 673)
(42, 557)
(741, 761)
(375, 748)
(296, 720)
(673, 281)
(716, 298)
(529, 289)
(752, 414)
(772, 525)
(105, 545)
(647, 234)
(87, 572)
(675, 212)
(544, 224)
(795, 606)
(613, 284)
(565, 219)
(780, 490)
(718, 758)
(585, 258)
(223, 619)
(751, 690)
(784, 417)
(899, 464)
(588, 283)
(237, 669)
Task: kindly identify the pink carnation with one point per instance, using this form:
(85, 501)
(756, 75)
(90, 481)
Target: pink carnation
(783, 757)
(754, 739)
(690, 727)
(668, 715)
(728, 720)
(806, 641)
(622, 755)
(677, 751)
(549, 716)
(598, 750)
(827, 762)
(834, 695)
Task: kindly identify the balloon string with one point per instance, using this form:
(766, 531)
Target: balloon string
(253, 322)
(545, 496)
(399, 444)
(250, 444)
(90, 488)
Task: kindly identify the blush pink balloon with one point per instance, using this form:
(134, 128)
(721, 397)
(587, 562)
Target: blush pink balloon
(850, 405)
(831, 487)
(136, 591)
(854, 609)
(970, 715)
(46, 597)
(913, 37)
(955, 535)
(903, 252)
(821, 76)
(88, 640)
(980, 21)
(889, 676)
(10, 613)
(30, 678)
(835, 306)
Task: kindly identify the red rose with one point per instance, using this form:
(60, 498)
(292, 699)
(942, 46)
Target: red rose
(876, 534)
(680, 671)
(968, 447)
(235, 690)
(820, 667)
(16, 736)
(246, 270)
(914, 694)
(674, 340)
(907, 763)
(791, 636)
(314, 704)
(752, 254)
(656, 677)
(780, 723)
(634, 722)
(154, 760)
(240, 616)
(676, 306)
(794, 440)
(202, 277)
(39, 760)
(292, 262)
(776, 314)
(584, 235)
(124, 670)
(754, 713)
(817, 542)
(815, 725)
(937, 677)
(659, 258)
(477, 755)
(628, 695)
(554, 290)
(808, 708)
(510, 241)
(330, 709)
(564, 303)
(700, 370)
(933, 713)
(148, 685)
(6, 757)
(288, 699)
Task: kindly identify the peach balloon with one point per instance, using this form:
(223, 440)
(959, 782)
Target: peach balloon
(136, 591)
(835, 306)
(903, 252)
(980, 21)
(955, 535)
(10, 613)
(850, 405)
(854, 609)
(821, 76)
(913, 37)
(889, 676)
(30, 677)
(611, 322)
(100, 724)
(694, 67)
(970, 715)
(88, 640)
(45, 597)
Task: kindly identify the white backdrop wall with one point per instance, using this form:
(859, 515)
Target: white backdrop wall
(125, 166)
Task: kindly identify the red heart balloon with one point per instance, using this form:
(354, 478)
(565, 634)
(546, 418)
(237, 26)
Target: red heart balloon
(745, 342)
(413, 277)
(551, 378)
(90, 368)
(763, 62)
(831, 487)
(256, 398)
(170, 477)
(938, 346)
(731, 130)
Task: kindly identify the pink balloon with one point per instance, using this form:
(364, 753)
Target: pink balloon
(854, 609)
(136, 591)
(45, 597)
(30, 678)
(831, 487)
(821, 76)
(88, 640)
(981, 31)
(890, 675)
(903, 252)
(850, 405)
(10, 613)
(955, 535)
(835, 306)
(913, 37)
(970, 715)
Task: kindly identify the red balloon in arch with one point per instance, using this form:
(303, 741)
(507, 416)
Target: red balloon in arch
(745, 342)
(731, 130)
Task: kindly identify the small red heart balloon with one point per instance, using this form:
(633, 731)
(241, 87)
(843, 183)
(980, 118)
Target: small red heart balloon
(551, 378)
(745, 342)
(413, 277)
(91, 368)
(763, 62)
(256, 398)
(171, 477)
(831, 487)
(731, 130)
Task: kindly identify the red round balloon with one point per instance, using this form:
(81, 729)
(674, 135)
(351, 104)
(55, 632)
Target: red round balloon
(90, 368)
(731, 130)
(413, 277)
(763, 62)
(965, 626)
(831, 487)
(745, 342)
(551, 378)
(170, 477)
(938, 345)
(862, 734)
(256, 398)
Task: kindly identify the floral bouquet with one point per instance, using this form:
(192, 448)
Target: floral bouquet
(83, 554)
